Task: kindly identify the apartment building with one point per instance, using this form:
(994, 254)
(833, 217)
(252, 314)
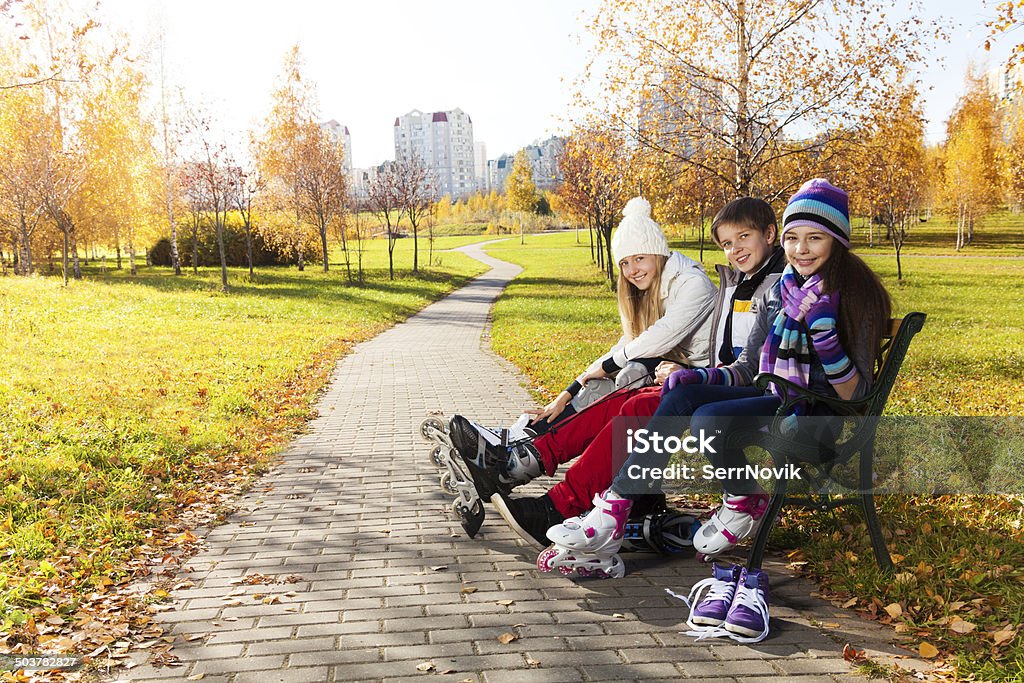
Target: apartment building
(444, 141)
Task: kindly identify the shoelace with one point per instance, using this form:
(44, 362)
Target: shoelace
(750, 598)
(754, 600)
(715, 589)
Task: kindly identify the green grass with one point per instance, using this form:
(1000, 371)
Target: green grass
(126, 400)
(559, 314)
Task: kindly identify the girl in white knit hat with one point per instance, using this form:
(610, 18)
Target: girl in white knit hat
(665, 305)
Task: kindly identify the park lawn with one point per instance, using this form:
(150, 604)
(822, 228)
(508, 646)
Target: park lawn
(128, 405)
(558, 315)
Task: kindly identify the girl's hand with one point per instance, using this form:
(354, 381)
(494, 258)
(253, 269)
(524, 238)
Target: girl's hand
(799, 302)
(664, 369)
(824, 313)
(553, 409)
(593, 374)
(684, 376)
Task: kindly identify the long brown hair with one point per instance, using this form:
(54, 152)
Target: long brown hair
(864, 303)
(640, 308)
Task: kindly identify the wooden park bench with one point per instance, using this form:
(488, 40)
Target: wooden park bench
(819, 458)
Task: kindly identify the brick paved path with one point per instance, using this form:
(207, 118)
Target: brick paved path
(386, 581)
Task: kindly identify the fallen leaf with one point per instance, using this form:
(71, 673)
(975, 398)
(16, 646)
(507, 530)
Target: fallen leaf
(850, 603)
(618, 616)
(852, 654)
(194, 636)
(830, 624)
(514, 574)
(439, 567)
(505, 603)
(271, 599)
(962, 627)
(196, 677)
(894, 610)
(506, 638)
(1003, 636)
(446, 672)
(425, 666)
(468, 589)
(532, 662)
(928, 651)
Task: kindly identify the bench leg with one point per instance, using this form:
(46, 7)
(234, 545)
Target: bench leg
(764, 531)
(867, 504)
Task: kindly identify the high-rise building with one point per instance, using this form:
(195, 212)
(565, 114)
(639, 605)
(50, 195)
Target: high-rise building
(480, 166)
(544, 160)
(341, 135)
(443, 140)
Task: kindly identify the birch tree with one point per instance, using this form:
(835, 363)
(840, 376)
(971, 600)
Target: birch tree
(735, 86)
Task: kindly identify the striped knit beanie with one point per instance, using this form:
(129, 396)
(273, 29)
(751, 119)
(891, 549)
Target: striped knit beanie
(819, 204)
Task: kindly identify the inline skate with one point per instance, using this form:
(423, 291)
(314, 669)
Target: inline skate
(736, 520)
(467, 506)
(588, 545)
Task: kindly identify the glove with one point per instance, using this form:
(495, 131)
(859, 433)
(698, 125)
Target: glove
(823, 313)
(799, 301)
(822, 319)
(679, 377)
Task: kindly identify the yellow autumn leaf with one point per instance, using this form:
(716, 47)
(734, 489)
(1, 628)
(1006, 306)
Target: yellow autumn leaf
(894, 610)
(928, 651)
(506, 638)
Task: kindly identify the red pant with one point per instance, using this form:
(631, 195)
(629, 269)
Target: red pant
(589, 434)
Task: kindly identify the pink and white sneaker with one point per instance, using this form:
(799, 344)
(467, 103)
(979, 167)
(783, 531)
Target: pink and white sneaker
(736, 520)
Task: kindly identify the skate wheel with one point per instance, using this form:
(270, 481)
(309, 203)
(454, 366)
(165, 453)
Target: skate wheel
(437, 456)
(703, 558)
(447, 485)
(545, 558)
(430, 425)
(584, 572)
(569, 571)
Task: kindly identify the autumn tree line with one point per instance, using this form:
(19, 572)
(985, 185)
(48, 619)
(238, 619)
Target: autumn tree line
(100, 154)
(695, 102)
(690, 102)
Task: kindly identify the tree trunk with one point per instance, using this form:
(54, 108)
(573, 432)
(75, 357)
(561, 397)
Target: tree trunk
(64, 256)
(223, 255)
(323, 244)
(612, 282)
(415, 249)
(248, 244)
(76, 268)
(195, 248)
(118, 254)
(25, 254)
(743, 144)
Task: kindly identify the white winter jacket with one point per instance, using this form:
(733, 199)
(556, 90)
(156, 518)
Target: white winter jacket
(688, 298)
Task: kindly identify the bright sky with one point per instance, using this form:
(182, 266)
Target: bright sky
(507, 64)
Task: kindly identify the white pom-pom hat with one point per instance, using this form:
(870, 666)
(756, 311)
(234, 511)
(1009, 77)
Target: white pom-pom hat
(638, 233)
